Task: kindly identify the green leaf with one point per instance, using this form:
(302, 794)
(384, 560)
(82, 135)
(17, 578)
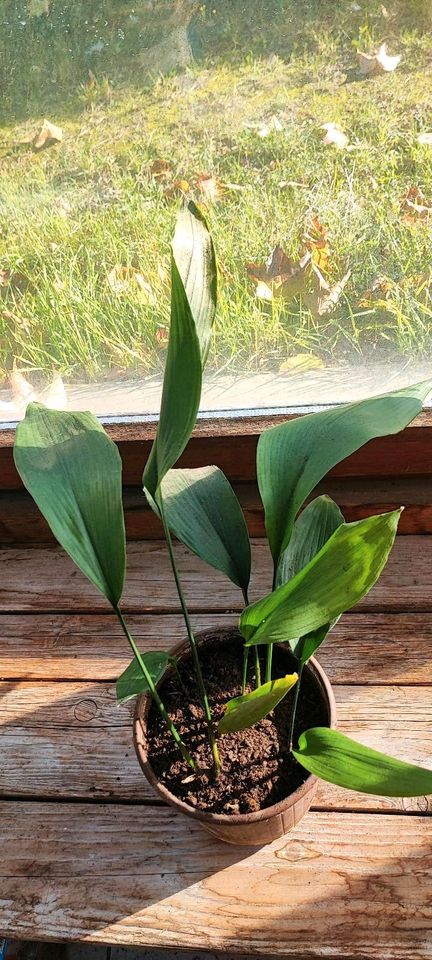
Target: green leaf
(293, 457)
(339, 575)
(315, 525)
(243, 712)
(132, 681)
(312, 529)
(73, 471)
(202, 510)
(196, 262)
(193, 304)
(338, 759)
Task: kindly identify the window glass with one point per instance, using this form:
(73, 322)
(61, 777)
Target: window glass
(304, 131)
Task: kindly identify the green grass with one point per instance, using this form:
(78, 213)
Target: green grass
(69, 214)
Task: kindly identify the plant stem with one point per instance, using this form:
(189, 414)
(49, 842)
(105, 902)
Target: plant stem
(192, 641)
(153, 690)
(257, 666)
(295, 704)
(256, 651)
(268, 673)
(245, 666)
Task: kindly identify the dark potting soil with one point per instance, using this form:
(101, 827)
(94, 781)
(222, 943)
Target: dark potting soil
(257, 768)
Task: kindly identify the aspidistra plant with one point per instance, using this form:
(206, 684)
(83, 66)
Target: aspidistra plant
(321, 565)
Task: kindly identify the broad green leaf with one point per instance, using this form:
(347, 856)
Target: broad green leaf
(315, 525)
(132, 681)
(312, 529)
(243, 712)
(202, 510)
(343, 571)
(304, 648)
(193, 304)
(73, 471)
(338, 759)
(293, 457)
(196, 262)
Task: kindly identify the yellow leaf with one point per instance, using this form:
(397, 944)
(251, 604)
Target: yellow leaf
(126, 281)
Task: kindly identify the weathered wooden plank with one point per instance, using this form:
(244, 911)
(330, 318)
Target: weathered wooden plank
(339, 886)
(362, 648)
(44, 579)
(72, 740)
(21, 522)
(231, 444)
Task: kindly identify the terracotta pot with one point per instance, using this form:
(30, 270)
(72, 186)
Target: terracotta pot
(256, 828)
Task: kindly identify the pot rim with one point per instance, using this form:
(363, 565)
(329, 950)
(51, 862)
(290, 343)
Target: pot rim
(139, 734)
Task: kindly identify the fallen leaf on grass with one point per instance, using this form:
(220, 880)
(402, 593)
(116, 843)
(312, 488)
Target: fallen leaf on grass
(162, 336)
(301, 363)
(280, 275)
(380, 289)
(324, 297)
(210, 187)
(335, 135)
(273, 125)
(23, 393)
(414, 206)
(381, 62)
(48, 134)
(316, 241)
(126, 280)
(177, 189)
(425, 139)
(14, 281)
(159, 169)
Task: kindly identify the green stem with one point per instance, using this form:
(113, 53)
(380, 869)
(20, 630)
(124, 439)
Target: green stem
(245, 666)
(295, 704)
(269, 661)
(153, 690)
(257, 666)
(192, 641)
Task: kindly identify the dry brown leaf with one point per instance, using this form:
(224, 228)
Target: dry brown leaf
(162, 336)
(126, 281)
(335, 135)
(210, 187)
(14, 281)
(23, 393)
(178, 188)
(280, 275)
(324, 297)
(316, 241)
(414, 206)
(380, 62)
(301, 363)
(380, 289)
(54, 396)
(48, 134)
(159, 169)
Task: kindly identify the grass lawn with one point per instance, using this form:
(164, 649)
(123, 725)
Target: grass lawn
(74, 215)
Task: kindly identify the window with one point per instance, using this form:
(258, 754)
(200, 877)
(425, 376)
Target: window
(304, 131)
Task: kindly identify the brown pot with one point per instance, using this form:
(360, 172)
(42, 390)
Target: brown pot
(256, 828)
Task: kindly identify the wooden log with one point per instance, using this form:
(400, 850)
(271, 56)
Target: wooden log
(71, 740)
(362, 648)
(340, 886)
(37, 579)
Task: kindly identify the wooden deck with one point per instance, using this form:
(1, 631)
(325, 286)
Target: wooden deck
(87, 852)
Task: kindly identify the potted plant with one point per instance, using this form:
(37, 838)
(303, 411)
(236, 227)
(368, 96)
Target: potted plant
(233, 727)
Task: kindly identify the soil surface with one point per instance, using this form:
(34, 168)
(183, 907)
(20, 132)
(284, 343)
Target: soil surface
(257, 768)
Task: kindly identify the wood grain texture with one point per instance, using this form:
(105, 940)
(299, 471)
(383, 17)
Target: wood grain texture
(65, 740)
(346, 886)
(44, 579)
(362, 648)
(21, 522)
(232, 446)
